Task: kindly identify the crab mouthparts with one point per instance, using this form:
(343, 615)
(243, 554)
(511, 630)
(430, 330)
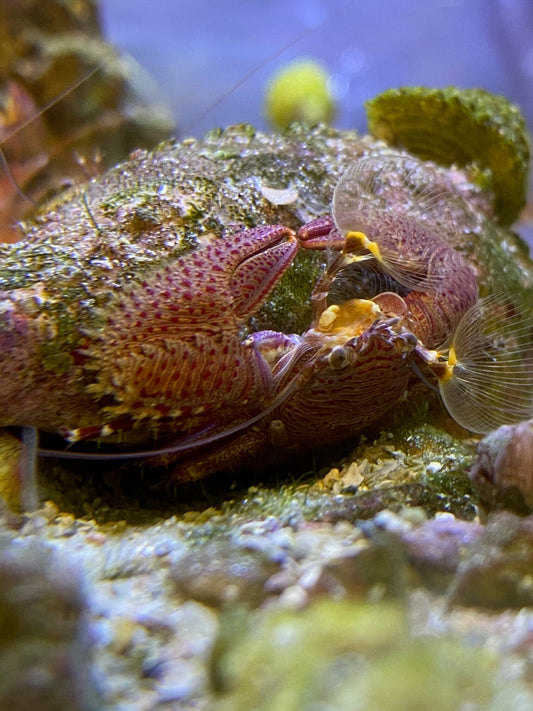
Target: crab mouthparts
(349, 319)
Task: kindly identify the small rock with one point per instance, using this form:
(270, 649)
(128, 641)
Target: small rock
(498, 569)
(45, 652)
(370, 566)
(219, 573)
(436, 548)
(503, 470)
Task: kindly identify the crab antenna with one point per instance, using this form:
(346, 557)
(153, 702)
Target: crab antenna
(14, 182)
(28, 466)
(190, 445)
(52, 102)
(48, 105)
(260, 66)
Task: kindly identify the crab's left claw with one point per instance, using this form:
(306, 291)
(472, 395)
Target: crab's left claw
(170, 348)
(257, 259)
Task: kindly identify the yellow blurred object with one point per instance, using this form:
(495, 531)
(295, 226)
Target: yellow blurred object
(10, 474)
(299, 93)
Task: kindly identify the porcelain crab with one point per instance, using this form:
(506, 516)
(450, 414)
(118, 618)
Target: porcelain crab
(168, 356)
(125, 308)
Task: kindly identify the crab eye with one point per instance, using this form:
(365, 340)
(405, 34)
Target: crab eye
(410, 340)
(339, 357)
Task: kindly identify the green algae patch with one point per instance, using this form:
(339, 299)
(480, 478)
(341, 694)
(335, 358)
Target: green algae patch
(55, 354)
(461, 126)
(346, 655)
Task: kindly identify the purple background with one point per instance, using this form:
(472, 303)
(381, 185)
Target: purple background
(201, 51)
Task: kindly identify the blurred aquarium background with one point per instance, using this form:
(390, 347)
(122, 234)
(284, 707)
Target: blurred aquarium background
(214, 57)
(212, 61)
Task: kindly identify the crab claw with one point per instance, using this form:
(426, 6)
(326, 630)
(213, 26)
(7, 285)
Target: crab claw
(170, 348)
(257, 258)
(321, 233)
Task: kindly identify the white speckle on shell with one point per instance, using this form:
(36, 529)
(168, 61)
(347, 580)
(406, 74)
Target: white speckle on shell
(279, 197)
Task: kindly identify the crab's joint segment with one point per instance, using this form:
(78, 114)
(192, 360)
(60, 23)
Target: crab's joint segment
(80, 433)
(452, 357)
(442, 364)
(449, 365)
(358, 240)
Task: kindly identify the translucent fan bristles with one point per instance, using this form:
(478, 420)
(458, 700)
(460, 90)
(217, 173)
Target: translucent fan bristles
(490, 375)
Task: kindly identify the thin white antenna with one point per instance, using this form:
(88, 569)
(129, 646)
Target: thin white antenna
(310, 30)
(48, 105)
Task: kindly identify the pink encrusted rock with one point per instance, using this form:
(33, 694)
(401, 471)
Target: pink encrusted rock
(503, 470)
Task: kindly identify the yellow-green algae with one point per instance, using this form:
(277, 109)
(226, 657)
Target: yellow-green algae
(10, 470)
(351, 656)
(299, 93)
(461, 126)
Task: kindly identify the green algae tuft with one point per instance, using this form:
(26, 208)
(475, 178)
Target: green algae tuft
(461, 126)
